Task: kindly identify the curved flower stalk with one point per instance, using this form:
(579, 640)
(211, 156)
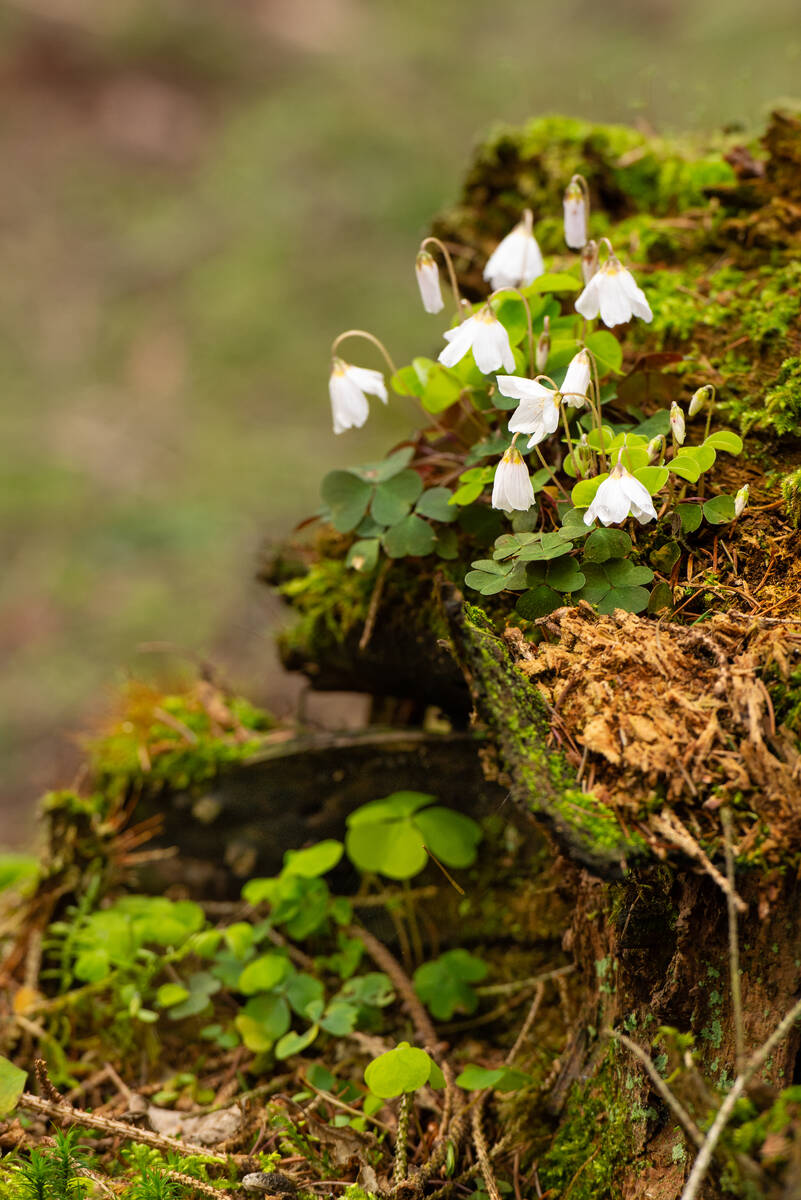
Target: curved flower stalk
(486, 337)
(517, 260)
(538, 411)
(618, 496)
(589, 261)
(576, 208)
(512, 490)
(613, 293)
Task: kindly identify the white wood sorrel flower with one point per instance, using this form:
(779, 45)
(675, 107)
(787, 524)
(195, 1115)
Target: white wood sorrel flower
(619, 495)
(427, 273)
(575, 214)
(577, 380)
(346, 387)
(517, 260)
(512, 490)
(538, 411)
(613, 293)
(486, 337)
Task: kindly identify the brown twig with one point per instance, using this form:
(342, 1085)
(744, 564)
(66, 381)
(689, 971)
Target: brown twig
(671, 828)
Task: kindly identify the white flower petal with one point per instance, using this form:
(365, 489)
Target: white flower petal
(349, 406)
(512, 490)
(518, 388)
(588, 303)
(638, 497)
(460, 340)
(575, 215)
(636, 296)
(577, 379)
(427, 273)
(368, 381)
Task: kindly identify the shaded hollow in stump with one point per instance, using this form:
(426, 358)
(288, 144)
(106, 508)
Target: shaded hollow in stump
(624, 737)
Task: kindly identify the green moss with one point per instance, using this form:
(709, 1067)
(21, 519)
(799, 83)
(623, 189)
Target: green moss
(782, 402)
(331, 599)
(791, 494)
(172, 741)
(594, 1140)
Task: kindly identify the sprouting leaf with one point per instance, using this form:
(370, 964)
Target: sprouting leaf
(394, 498)
(435, 503)
(347, 496)
(410, 538)
(441, 389)
(601, 439)
(314, 860)
(545, 547)
(389, 808)
(725, 439)
(394, 848)
(467, 493)
(171, 993)
(294, 1043)
(306, 995)
(406, 382)
(607, 543)
(363, 555)
(12, 1085)
(690, 516)
(553, 281)
(403, 1069)
(719, 510)
(202, 986)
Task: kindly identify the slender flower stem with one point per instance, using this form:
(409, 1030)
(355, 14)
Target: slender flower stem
(370, 337)
(734, 947)
(532, 361)
(709, 408)
(596, 406)
(399, 1172)
(570, 449)
(446, 254)
(561, 486)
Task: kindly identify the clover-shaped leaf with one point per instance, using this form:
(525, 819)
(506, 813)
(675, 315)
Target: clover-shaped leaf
(404, 1069)
(444, 984)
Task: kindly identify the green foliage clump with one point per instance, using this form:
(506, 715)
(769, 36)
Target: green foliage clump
(593, 1141)
(782, 401)
(173, 741)
(791, 495)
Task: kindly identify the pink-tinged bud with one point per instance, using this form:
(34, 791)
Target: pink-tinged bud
(741, 500)
(427, 274)
(677, 427)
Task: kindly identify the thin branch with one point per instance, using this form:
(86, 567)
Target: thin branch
(675, 1105)
(482, 1152)
(671, 828)
(525, 1028)
(734, 948)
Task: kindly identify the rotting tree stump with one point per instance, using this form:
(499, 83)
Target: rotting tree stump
(623, 737)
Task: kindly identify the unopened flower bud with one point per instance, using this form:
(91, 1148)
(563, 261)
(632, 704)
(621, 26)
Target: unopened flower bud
(699, 398)
(741, 500)
(677, 423)
(575, 215)
(589, 261)
(427, 274)
(655, 446)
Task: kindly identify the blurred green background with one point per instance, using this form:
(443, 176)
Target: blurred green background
(196, 197)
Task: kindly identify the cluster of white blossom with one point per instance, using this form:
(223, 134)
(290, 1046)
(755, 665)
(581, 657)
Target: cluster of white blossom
(610, 292)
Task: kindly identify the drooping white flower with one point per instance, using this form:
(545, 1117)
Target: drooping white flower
(577, 380)
(589, 261)
(619, 495)
(575, 213)
(427, 273)
(699, 398)
(346, 387)
(613, 293)
(517, 260)
(486, 337)
(512, 490)
(538, 411)
(740, 500)
(677, 425)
